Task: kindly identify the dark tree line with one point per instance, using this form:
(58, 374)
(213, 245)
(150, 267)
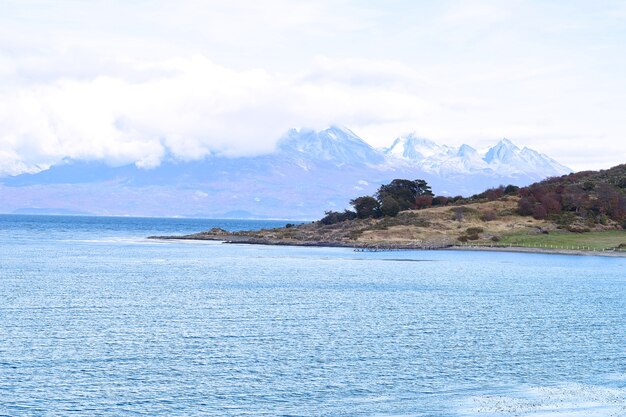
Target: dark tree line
(389, 200)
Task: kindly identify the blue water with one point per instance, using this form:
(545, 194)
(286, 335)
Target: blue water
(97, 321)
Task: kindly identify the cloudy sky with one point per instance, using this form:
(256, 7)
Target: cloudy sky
(134, 80)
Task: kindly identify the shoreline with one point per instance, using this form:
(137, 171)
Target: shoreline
(545, 251)
(384, 247)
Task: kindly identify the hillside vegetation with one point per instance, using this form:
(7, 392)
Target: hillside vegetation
(585, 210)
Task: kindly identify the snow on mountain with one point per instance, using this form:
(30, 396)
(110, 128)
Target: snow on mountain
(506, 158)
(413, 148)
(503, 159)
(466, 160)
(536, 159)
(504, 152)
(339, 146)
(309, 172)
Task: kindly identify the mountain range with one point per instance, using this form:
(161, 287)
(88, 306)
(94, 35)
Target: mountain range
(308, 173)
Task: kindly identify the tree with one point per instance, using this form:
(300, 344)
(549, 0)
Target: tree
(511, 189)
(332, 217)
(365, 207)
(404, 192)
(422, 188)
(389, 206)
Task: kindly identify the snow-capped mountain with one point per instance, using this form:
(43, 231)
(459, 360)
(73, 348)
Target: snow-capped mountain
(414, 148)
(309, 172)
(503, 159)
(340, 146)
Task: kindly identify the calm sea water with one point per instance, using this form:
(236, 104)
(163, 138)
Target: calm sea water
(97, 321)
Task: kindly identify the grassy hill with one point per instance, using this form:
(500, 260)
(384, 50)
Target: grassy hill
(580, 211)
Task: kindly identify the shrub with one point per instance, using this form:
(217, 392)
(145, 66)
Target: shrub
(489, 216)
(423, 201)
(551, 203)
(440, 201)
(525, 206)
(473, 237)
(565, 219)
(539, 212)
(459, 213)
(474, 230)
(495, 238)
(589, 185)
(493, 193)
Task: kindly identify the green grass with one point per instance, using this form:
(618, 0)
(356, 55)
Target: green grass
(592, 240)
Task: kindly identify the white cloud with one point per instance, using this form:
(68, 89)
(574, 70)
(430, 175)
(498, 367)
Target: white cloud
(188, 108)
(138, 81)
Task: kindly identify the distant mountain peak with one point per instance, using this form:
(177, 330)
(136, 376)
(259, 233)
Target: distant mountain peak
(502, 152)
(335, 144)
(507, 142)
(504, 158)
(337, 132)
(412, 147)
(466, 150)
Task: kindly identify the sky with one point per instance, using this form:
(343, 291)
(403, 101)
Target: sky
(136, 81)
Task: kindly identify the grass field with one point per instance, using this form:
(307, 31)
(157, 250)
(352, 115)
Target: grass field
(589, 241)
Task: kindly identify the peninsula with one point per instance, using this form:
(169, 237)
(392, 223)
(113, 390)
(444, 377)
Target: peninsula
(580, 213)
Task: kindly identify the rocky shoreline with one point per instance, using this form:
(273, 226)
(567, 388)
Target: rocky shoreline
(256, 240)
(251, 238)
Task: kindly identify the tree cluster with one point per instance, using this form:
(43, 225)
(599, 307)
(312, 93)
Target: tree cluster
(594, 197)
(389, 200)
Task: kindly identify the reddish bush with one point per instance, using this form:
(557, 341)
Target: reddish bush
(423, 201)
(525, 206)
(539, 190)
(494, 193)
(551, 203)
(539, 212)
